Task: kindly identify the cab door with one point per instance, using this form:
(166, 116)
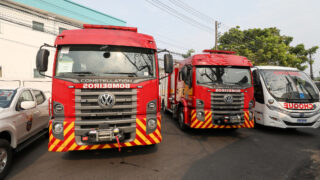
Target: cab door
(25, 118)
(259, 97)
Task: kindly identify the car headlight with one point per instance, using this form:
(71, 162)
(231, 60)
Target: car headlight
(274, 108)
(152, 124)
(57, 128)
(200, 115)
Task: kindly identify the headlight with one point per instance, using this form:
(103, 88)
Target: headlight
(57, 128)
(274, 108)
(152, 124)
(200, 115)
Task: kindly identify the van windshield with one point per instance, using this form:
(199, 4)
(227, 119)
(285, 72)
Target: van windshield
(6, 97)
(224, 76)
(290, 86)
(104, 60)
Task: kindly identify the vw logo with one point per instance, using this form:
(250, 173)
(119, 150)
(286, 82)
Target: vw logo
(106, 100)
(228, 99)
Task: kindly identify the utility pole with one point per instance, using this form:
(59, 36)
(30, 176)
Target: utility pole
(311, 70)
(216, 35)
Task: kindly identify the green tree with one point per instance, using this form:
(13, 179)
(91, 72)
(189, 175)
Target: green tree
(264, 47)
(310, 52)
(188, 54)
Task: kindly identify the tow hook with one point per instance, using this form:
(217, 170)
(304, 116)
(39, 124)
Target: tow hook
(116, 132)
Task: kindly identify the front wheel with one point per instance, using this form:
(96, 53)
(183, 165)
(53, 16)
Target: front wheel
(181, 119)
(5, 158)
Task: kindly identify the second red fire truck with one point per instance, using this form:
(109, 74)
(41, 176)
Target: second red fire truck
(211, 90)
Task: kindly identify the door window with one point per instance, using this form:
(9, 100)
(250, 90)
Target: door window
(39, 96)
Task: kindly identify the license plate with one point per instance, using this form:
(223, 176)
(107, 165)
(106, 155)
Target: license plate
(301, 120)
(234, 119)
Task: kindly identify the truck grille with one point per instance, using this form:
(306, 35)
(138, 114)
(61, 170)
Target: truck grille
(220, 108)
(89, 114)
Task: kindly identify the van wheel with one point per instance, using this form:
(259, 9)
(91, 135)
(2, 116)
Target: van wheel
(5, 158)
(181, 119)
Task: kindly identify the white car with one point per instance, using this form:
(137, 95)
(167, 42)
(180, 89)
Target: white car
(24, 117)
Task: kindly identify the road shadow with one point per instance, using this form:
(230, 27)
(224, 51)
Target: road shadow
(28, 156)
(286, 132)
(110, 153)
(201, 133)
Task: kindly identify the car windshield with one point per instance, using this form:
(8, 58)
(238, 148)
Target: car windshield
(97, 60)
(290, 85)
(224, 76)
(6, 97)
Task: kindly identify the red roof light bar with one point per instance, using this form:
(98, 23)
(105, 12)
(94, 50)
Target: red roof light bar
(218, 51)
(121, 28)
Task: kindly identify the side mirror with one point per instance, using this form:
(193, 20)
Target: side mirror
(184, 72)
(28, 105)
(42, 60)
(168, 63)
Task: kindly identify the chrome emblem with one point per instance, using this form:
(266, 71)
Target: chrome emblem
(228, 99)
(106, 100)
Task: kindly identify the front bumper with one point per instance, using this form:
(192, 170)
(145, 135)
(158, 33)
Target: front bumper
(208, 124)
(280, 120)
(68, 142)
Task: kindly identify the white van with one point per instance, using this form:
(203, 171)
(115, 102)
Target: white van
(285, 98)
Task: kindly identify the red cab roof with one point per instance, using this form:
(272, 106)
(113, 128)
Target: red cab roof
(226, 59)
(106, 35)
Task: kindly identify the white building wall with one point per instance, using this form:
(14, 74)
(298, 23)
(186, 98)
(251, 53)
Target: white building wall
(19, 44)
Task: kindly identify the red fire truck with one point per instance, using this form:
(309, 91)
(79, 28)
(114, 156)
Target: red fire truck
(211, 90)
(104, 89)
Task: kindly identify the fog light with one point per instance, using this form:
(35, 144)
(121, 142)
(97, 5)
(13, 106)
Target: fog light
(152, 124)
(58, 108)
(152, 105)
(199, 102)
(57, 128)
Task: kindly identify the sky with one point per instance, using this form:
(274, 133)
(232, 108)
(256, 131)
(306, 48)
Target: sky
(296, 18)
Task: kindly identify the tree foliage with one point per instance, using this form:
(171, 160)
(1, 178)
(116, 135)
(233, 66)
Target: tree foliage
(264, 47)
(189, 53)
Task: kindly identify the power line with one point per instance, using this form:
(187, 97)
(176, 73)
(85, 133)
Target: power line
(193, 11)
(179, 15)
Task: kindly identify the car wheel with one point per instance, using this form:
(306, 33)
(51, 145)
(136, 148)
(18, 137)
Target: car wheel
(181, 119)
(5, 158)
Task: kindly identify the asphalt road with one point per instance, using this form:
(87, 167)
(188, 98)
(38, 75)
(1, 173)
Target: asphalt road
(262, 153)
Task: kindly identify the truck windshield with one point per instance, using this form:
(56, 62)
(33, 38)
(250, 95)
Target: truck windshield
(224, 76)
(97, 60)
(6, 97)
(290, 85)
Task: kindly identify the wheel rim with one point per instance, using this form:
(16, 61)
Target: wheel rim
(3, 158)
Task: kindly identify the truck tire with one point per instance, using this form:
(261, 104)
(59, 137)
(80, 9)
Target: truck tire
(181, 119)
(5, 158)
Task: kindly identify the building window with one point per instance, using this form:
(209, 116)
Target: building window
(61, 29)
(37, 26)
(0, 71)
(36, 74)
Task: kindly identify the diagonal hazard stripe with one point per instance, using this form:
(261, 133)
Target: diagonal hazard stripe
(154, 138)
(143, 137)
(53, 144)
(206, 124)
(141, 125)
(194, 122)
(200, 124)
